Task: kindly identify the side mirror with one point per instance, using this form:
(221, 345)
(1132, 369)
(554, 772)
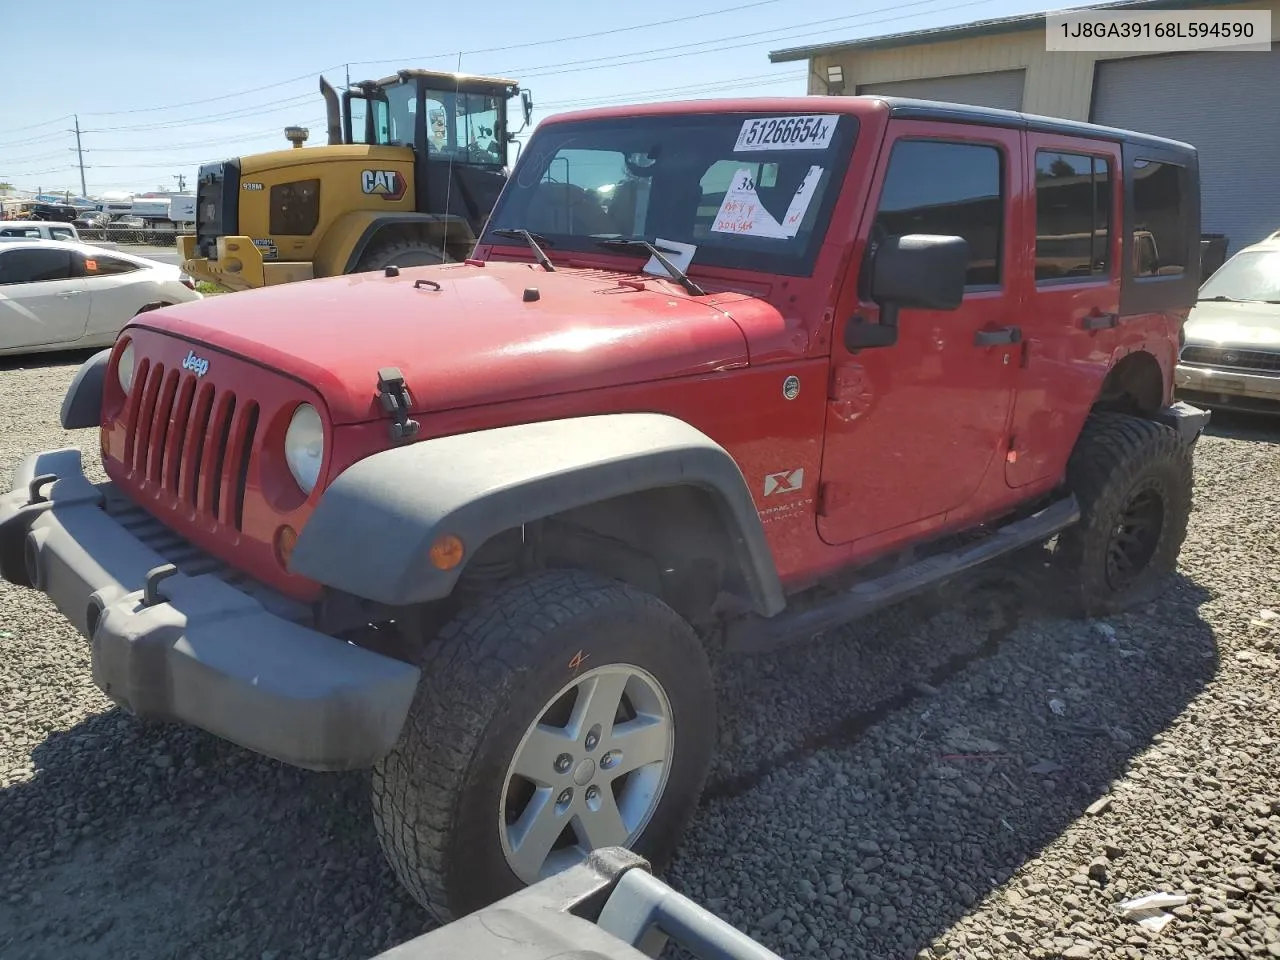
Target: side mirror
(921, 271)
(526, 101)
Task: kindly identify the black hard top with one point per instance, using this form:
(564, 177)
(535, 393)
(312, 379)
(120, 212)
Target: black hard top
(908, 108)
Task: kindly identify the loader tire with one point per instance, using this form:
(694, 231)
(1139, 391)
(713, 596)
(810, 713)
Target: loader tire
(400, 252)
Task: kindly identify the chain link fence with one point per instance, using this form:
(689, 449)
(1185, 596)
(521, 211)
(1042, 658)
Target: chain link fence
(152, 235)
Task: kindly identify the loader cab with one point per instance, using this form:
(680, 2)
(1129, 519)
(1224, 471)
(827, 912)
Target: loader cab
(456, 124)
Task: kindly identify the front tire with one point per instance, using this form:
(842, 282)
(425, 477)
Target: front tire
(1134, 480)
(564, 713)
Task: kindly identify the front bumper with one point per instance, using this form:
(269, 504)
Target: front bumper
(1228, 387)
(240, 265)
(193, 648)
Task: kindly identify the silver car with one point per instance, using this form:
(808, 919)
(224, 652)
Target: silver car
(1231, 358)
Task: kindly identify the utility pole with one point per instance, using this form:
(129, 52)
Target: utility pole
(348, 66)
(84, 191)
(182, 181)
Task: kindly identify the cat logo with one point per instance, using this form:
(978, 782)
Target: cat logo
(387, 184)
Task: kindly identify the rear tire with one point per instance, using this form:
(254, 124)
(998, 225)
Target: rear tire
(1134, 480)
(515, 736)
(400, 252)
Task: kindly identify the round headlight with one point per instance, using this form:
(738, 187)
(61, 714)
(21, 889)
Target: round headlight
(304, 446)
(124, 368)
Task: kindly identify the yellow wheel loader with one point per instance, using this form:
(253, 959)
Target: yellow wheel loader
(413, 166)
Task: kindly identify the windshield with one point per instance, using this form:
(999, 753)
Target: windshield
(746, 191)
(466, 127)
(1249, 275)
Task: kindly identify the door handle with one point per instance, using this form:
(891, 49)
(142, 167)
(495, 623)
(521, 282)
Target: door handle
(70, 293)
(1100, 321)
(989, 338)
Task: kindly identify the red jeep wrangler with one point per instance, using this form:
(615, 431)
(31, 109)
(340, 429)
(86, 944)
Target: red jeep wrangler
(719, 375)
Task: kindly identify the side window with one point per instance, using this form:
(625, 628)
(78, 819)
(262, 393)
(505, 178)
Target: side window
(295, 208)
(949, 188)
(34, 265)
(359, 110)
(1159, 219)
(100, 266)
(60, 233)
(1073, 215)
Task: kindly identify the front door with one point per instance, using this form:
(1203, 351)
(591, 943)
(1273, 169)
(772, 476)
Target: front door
(41, 300)
(913, 428)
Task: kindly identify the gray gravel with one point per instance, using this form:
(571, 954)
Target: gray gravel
(978, 778)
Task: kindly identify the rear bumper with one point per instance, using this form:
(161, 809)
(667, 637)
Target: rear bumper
(1226, 384)
(203, 652)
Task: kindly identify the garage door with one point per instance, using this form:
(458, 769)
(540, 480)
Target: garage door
(1228, 106)
(1002, 89)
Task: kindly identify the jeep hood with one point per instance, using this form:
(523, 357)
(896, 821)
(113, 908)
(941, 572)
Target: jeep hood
(490, 333)
(1249, 324)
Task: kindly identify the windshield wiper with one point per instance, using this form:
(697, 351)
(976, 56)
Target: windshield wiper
(676, 273)
(533, 240)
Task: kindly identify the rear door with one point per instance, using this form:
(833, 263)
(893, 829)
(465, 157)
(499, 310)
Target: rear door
(1072, 298)
(117, 289)
(42, 300)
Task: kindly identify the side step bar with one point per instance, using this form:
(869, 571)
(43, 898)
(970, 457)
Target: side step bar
(756, 634)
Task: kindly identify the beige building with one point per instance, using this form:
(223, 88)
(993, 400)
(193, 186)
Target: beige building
(1225, 103)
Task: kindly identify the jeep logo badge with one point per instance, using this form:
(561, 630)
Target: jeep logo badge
(197, 365)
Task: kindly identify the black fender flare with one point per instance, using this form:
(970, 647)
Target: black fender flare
(372, 530)
(82, 403)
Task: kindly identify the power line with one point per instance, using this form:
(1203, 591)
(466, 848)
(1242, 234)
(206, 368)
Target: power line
(650, 56)
(225, 96)
(161, 147)
(514, 46)
(632, 58)
(45, 138)
(580, 36)
(538, 70)
(615, 60)
(765, 79)
(42, 123)
(272, 107)
(37, 158)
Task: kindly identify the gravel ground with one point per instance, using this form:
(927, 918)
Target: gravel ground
(976, 779)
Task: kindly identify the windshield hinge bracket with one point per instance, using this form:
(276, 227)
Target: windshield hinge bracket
(396, 400)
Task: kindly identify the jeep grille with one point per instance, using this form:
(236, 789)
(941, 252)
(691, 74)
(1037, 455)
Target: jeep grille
(190, 441)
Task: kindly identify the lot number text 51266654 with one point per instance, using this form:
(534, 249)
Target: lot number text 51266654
(786, 133)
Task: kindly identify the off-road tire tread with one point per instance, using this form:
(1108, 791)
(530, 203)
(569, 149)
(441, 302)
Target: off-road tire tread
(1111, 454)
(383, 254)
(495, 641)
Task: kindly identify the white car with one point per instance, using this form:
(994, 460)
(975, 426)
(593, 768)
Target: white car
(63, 295)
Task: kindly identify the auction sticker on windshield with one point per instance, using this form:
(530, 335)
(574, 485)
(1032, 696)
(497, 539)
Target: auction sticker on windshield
(812, 132)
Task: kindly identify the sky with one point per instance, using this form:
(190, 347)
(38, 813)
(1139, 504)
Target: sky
(196, 89)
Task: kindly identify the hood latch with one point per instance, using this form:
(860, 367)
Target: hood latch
(397, 401)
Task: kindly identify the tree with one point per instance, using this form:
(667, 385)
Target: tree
(5, 186)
